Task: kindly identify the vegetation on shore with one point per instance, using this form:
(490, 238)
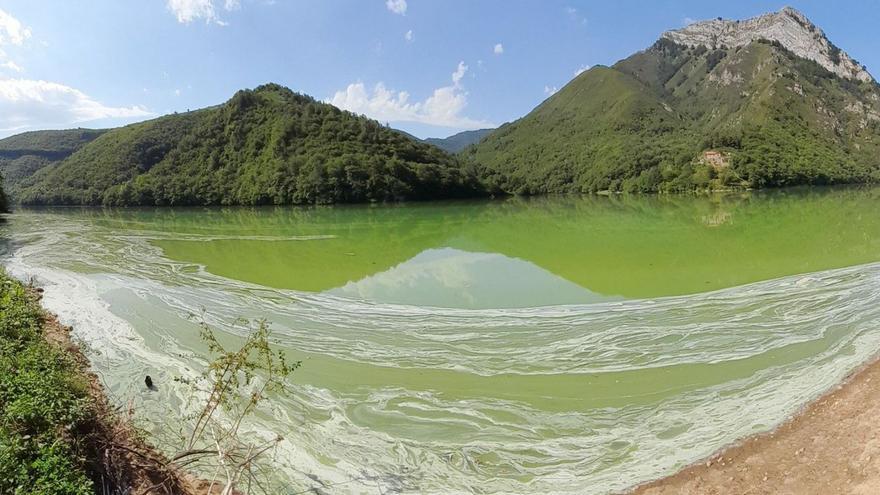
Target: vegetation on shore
(44, 403)
(233, 386)
(58, 433)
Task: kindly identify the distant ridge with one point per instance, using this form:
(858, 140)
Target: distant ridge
(454, 143)
(460, 141)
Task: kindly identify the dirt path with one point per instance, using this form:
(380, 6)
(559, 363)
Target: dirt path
(832, 447)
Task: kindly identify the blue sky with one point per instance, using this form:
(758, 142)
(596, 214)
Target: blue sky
(432, 68)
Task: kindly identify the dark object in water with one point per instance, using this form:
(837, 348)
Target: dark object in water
(149, 382)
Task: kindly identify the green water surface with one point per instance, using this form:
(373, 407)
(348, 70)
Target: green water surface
(631, 247)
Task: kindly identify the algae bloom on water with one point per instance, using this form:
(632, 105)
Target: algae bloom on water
(447, 331)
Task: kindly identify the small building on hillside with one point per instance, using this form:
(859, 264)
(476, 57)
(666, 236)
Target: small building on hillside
(716, 159)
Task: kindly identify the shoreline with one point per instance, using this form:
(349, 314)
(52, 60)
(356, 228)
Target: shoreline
(123, 458)
(830, 446)
(481, 198)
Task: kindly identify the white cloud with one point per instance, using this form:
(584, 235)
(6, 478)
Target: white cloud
(190, 10)
(177, 92)
(396, 6)
(548, 90)
(580, 70)
(12, 66)
(12, 31)
(187, 11)
(460, 71)
(499, 49)
(575, 16)
(26, 103)
(687, 21)
(409, 35)
(443, 108)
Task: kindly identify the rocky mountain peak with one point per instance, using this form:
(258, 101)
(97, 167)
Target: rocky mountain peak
(789, 27)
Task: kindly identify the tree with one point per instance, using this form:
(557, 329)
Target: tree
(4, 201)
(233, 385)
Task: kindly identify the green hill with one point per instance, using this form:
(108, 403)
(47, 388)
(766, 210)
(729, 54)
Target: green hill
(264, 146)
(774, 117)
(460, 141)
(24, 154)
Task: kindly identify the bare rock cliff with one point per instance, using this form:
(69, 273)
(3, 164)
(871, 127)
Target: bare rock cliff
(788, 26)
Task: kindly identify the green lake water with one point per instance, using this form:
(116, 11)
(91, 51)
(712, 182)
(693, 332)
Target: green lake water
(543, 345)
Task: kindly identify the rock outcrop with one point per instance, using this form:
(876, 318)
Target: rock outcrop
(788, 26)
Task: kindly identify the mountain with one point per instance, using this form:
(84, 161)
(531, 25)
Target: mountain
(24, 154)
(788, 27)
(263, 146)
(455, 143)
(764, 102)
(460, 141)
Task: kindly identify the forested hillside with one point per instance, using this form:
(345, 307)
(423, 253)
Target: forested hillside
(22, 155)
(264, 146)
(679, 117)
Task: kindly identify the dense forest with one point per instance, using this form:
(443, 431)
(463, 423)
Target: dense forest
(264, 146)
(4, 200)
